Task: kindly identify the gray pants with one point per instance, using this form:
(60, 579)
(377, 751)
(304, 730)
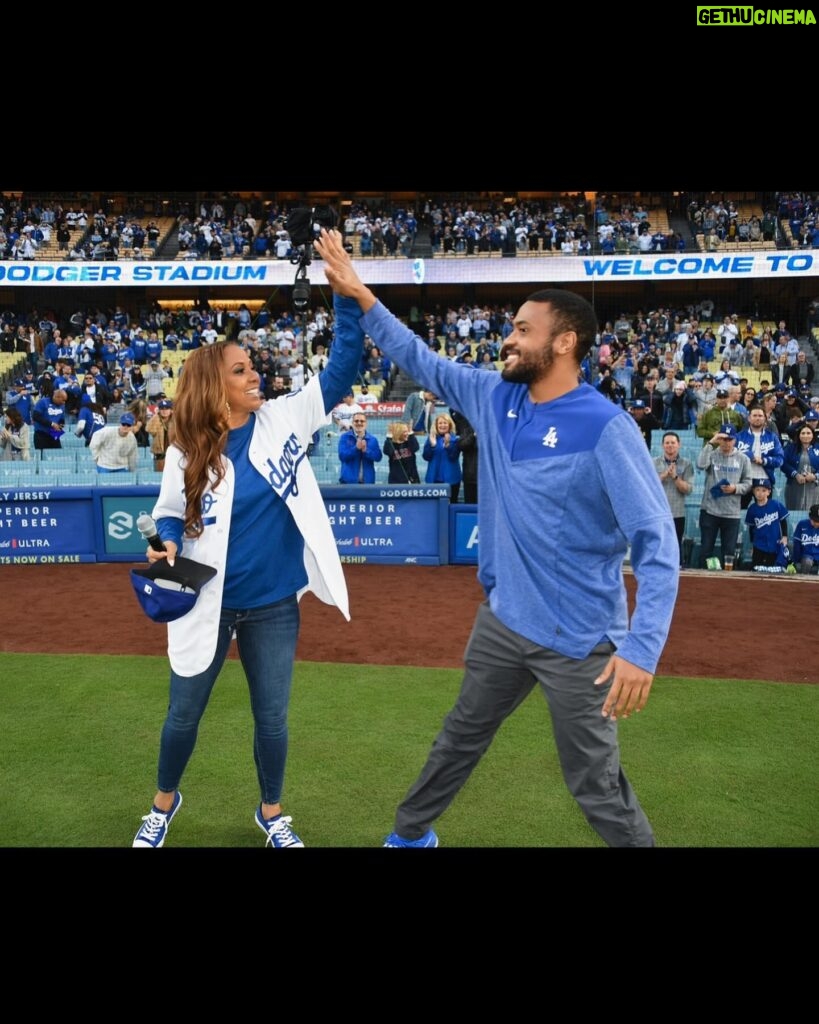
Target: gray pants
(502, 667)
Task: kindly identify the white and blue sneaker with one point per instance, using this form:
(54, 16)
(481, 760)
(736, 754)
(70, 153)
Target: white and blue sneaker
(154, 826)
(278, 831)
(427, 839)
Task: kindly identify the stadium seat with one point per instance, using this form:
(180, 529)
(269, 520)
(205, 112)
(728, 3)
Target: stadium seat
(116, 479)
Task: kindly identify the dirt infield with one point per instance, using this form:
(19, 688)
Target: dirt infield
(725, 625)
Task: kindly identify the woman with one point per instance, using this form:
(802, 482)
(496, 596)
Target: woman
(160, 429)
(610, 389)
(15, 439)
(400, 449)
(238, 493)
(138, 408)
(708, 344)
(763, 356)
(800, 467)
(118, 405)
(442, 453)
(749, 397)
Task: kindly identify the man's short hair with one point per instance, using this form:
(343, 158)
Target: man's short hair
(573, 313)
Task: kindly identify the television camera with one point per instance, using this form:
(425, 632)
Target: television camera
(304, 224)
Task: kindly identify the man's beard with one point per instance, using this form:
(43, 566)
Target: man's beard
(530, 368)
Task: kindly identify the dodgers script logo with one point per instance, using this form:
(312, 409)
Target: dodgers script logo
(418, 271)
(282, 475)
(208, 501)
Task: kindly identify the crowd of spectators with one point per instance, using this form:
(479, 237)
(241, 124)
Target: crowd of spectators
(230, 226)
(26, 229)
(682, 370)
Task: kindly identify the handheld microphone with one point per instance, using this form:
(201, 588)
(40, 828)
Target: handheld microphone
(147, 527)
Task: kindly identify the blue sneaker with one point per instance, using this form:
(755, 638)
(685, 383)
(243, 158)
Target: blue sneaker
(154, 826)
(427, 839)
(278, 831)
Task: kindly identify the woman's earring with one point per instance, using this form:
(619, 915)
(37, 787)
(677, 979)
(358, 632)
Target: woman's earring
(227, 406)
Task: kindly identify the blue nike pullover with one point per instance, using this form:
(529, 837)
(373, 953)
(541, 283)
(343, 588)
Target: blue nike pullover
(566, 487)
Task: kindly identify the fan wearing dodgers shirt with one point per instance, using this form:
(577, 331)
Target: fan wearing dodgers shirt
(567, 485)
(806, 542)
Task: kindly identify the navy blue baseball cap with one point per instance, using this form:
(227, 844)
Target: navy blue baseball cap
(728, 430)
(763, 483)
(167, 592)
(639, 404)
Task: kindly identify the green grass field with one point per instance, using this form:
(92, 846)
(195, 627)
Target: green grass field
(716, 763)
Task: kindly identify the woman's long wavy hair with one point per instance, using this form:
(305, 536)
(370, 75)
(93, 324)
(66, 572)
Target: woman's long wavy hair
(201, 425)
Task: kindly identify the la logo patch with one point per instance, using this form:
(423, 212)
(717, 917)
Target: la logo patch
(550, 438)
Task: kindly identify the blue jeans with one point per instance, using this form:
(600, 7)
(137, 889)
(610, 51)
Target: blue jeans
(266, 638)
(710, 527)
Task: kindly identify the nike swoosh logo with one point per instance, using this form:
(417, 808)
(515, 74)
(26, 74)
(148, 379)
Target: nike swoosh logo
(512, 415)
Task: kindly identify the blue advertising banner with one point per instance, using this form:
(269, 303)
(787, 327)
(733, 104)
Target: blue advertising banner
(463, 534)
(390, 523)
(377, 523)
(46, 525)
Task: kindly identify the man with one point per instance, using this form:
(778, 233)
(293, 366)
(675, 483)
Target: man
(736, 403)
(670, 377)
(22, 399)
(114, 449)
(761, 445)
(718, 414)
(705, 394)
(419, 410)
(561, 468)
(801, 372)
(277, 388)
(811, 418)
(358, 451)
(791, 411)
(344, 412)
(93, 387)
(645, 419)
(791, 347)
(48, 416)
(733, 351)
(366, 399)
(155, 378)
(680, 407)
(728, 475)
(676, 474)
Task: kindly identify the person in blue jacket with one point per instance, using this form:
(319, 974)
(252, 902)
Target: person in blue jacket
(358, 451)
(806, 542)
(443, 455)
(568, 488)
